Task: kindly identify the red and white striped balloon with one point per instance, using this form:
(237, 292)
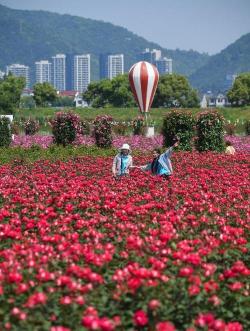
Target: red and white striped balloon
(143, 79)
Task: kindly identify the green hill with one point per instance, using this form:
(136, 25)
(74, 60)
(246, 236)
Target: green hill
(232, 60)
(29, 36)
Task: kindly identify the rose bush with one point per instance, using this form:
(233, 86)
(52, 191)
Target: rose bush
(241, 143)
(210, 131)
(31, 127)
(103, 131)
(65, 127)
(81, 251)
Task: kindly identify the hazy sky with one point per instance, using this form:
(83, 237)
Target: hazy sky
(202, 25)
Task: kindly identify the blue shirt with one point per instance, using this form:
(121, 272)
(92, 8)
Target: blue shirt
(164, 166)
(124, 162)
(162, 171)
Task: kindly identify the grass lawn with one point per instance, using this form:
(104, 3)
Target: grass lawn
(238, 115)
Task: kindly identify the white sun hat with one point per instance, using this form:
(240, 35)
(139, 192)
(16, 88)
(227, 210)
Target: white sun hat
(125, 146)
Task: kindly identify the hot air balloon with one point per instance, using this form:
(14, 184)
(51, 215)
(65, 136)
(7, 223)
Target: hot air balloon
(143, 79)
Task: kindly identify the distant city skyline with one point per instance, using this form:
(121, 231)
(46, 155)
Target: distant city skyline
(185, 24)
(72, 72)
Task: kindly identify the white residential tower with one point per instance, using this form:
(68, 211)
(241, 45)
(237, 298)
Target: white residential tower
(59, 72)
(20, 70)
(81, 75)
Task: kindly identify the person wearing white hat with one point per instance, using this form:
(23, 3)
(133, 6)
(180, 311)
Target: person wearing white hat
(122, 161)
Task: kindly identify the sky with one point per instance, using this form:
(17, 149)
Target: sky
(202, 25)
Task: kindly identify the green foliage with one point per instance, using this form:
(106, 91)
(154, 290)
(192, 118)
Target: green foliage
(121, 128)
(10, 93)
(174, 91)
(31, 127)
(98, 93)
(179, 123)
(247, 127)
(44, 93)
(121, 93)
(232, 60)
(85, 128)
(239, 94)
(210, 131)
(138, 126)
(5, 132)
(103, 131)
(27, 102)
(19, 154)
(44, 115)
(15, 127)
(230, 128)
(63, 102)
(106, 93)
(65, 127)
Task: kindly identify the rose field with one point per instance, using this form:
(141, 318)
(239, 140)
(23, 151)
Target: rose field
(82, 251)
(241, 143)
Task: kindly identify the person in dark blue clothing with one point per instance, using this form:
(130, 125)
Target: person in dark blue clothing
(161, 164)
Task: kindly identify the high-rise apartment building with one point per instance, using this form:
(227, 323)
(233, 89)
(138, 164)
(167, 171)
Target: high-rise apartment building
(164, 66)
(43, 71)
(2, 74)
(20, 70)
(69, 72)
(81, 72)
(149, 56)
(59, 72)
(111, 65)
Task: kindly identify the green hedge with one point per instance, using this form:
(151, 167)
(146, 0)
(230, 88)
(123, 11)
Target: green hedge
(65, 127)
(103, 131)
(210, 131)
(5, 132)
(179, 123)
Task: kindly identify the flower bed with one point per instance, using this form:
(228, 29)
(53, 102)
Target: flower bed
(81, 251)
(241, 144)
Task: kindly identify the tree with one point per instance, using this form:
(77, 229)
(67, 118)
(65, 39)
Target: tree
(27, 102)
(114, 93)
(99, 93)
(175, 91)
(44, 93)
(10, 93)
(239, 94)
(63, 102)
(121, 92)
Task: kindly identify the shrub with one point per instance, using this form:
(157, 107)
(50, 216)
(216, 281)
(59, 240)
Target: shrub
(15, 127)
(5, 132)
(103, 131)
(138, 126)
(84, 127)
(210, 131)
(120, 128)
(31, 126)
(179, 123)
(230, 128)
(247, 127)
(65, 127)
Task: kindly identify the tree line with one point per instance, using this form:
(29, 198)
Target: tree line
(173, 91)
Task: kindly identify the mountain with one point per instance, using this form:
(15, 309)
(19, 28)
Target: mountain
(29, 36)
(232, 60)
